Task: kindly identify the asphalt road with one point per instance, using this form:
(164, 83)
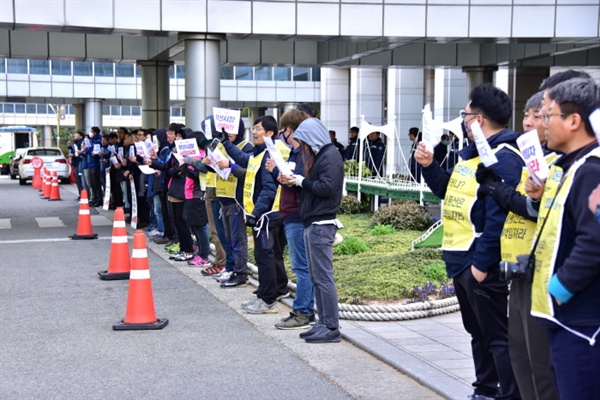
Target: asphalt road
(57, 342)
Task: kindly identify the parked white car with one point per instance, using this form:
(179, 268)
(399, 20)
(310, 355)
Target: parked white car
(54, 160)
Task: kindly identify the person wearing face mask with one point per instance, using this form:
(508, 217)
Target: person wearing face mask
(440, 151)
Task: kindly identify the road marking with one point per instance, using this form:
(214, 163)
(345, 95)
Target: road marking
(49, 240)
(49, 222)
(101, 220)
(5, 223)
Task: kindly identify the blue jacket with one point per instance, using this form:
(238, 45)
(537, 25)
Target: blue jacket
(487, 216)
(93, 160)
(75, 160)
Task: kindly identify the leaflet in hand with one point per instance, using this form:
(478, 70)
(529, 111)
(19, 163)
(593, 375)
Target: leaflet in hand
(531, 149)
(277, 157)
(488, 158)
(215, 156)
(429, 129)
(142, 150)
(96, 149)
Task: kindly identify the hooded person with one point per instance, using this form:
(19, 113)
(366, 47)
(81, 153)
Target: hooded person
(320, 198)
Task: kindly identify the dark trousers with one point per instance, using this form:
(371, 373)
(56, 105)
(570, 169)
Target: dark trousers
(264, 255)
(95, 184)
(483, 307)
(576, 363)
(166, 214)
(278, 248)
(115, 187)
(529, 347)
(235, 232)
(181, 227)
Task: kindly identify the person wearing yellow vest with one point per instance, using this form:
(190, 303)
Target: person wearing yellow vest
(528, 343)
(261, 211)
(471, 243)
(566, 281)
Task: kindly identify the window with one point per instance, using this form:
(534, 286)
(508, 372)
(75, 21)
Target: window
(61, 68)
(30, 108)
(301, 74)
(9, 108)
(136, 111)
(283, 74)
(19, 108)
(103, 69)
(124, 70)
(244, 73)
(82, 68)
(263, 73)
(125, 110)
(138, 71)
(115, 110)
(316, 74)
(42, 109)
(69, 109)
(51, 110)
(171, 72)
(1, 108)
(176, 112)
(39, 67)
(17, 66)
(2, 65)
(183, 111)
(105, 110)
(180, 71)
(227, 72)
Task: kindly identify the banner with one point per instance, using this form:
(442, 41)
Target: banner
(188, 147)
(106, 202)
(226, 119)
(531, 150)
(134, 217)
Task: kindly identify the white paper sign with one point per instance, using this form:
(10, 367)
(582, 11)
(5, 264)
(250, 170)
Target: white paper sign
(131, 151)
(151, 144)
(112, 149)
(226, 119)
(87, 143)
(141, 150)
(134, 217)
(215, 156)
(146, 169)
(106, 201)
(531, 149)
(114, 160)
(96, 149)
(277, 157)
(488, 158)
(595, 121)
(429, 129)
(120, 152)
(187, 147)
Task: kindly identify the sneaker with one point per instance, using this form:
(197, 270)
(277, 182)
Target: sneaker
(311, 331)
(294, 321)
(152, 232)
(234, 281)
(283, 296)
(173, 248)
(260, 307)
(183, 256)
(163, 240)
(212, 270)
(198, 261)
(172, 257)
(324, 335)
(249, 302)
(224, 276)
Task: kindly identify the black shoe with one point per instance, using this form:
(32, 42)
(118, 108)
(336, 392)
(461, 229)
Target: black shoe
(234, 281)
(311, 331)
(325, 335)
(163, 240)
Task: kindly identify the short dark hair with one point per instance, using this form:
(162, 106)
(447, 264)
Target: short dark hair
(123, 129)
(268, 123)
(414, 131)
(113, 135)
(577, 96)
(559, 77)
(80, 133)
(95, 129)
(354, 129)
(493, 103)
(307, 108)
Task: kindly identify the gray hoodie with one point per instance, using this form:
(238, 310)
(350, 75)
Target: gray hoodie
(312, 132)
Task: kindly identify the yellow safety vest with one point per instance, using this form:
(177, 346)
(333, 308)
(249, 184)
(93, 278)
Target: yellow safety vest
(517, 234)
(226, 187)
(547, 247)
(461, 195)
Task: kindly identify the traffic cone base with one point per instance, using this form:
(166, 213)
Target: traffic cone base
(119, 263)
(124, 326)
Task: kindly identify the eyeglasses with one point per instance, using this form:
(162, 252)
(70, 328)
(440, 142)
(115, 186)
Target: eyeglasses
(546, 117)
(463, 114)
(257, 128)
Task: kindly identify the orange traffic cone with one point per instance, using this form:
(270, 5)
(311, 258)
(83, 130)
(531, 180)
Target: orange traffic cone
(54, 190)
(119, 263)
(46, 186)
(84, 224)
(140, 313)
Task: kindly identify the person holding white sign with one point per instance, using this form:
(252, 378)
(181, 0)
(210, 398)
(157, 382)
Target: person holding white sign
(472, 229)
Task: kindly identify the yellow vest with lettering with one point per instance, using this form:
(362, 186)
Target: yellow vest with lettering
(461, 195)
(517, 234)
(547, 247)
(226, 187)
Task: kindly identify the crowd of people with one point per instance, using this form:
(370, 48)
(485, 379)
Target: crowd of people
(524, 251)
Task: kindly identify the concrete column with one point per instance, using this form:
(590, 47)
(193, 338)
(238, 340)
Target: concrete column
(202, 77)
(478, 75)
(335, 101)
(79, 116)
(47, 137)
(93, 114)
(523, 83)
(156, 111)
(367, 95)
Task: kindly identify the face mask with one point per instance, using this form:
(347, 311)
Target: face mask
(446, 142)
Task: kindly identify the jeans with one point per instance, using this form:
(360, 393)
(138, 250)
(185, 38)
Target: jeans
(156, 204)
(305, 292)
(201, 232)
(229, 260)
(235, 230)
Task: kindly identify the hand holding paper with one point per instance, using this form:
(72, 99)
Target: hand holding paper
(277, 157)
(531, 149)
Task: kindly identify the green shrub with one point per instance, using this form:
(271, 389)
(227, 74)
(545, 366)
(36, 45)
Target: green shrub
(403, 215)
(349, 246)
(435, 272)
(382, 230)
(351, 205)
(351, 169)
